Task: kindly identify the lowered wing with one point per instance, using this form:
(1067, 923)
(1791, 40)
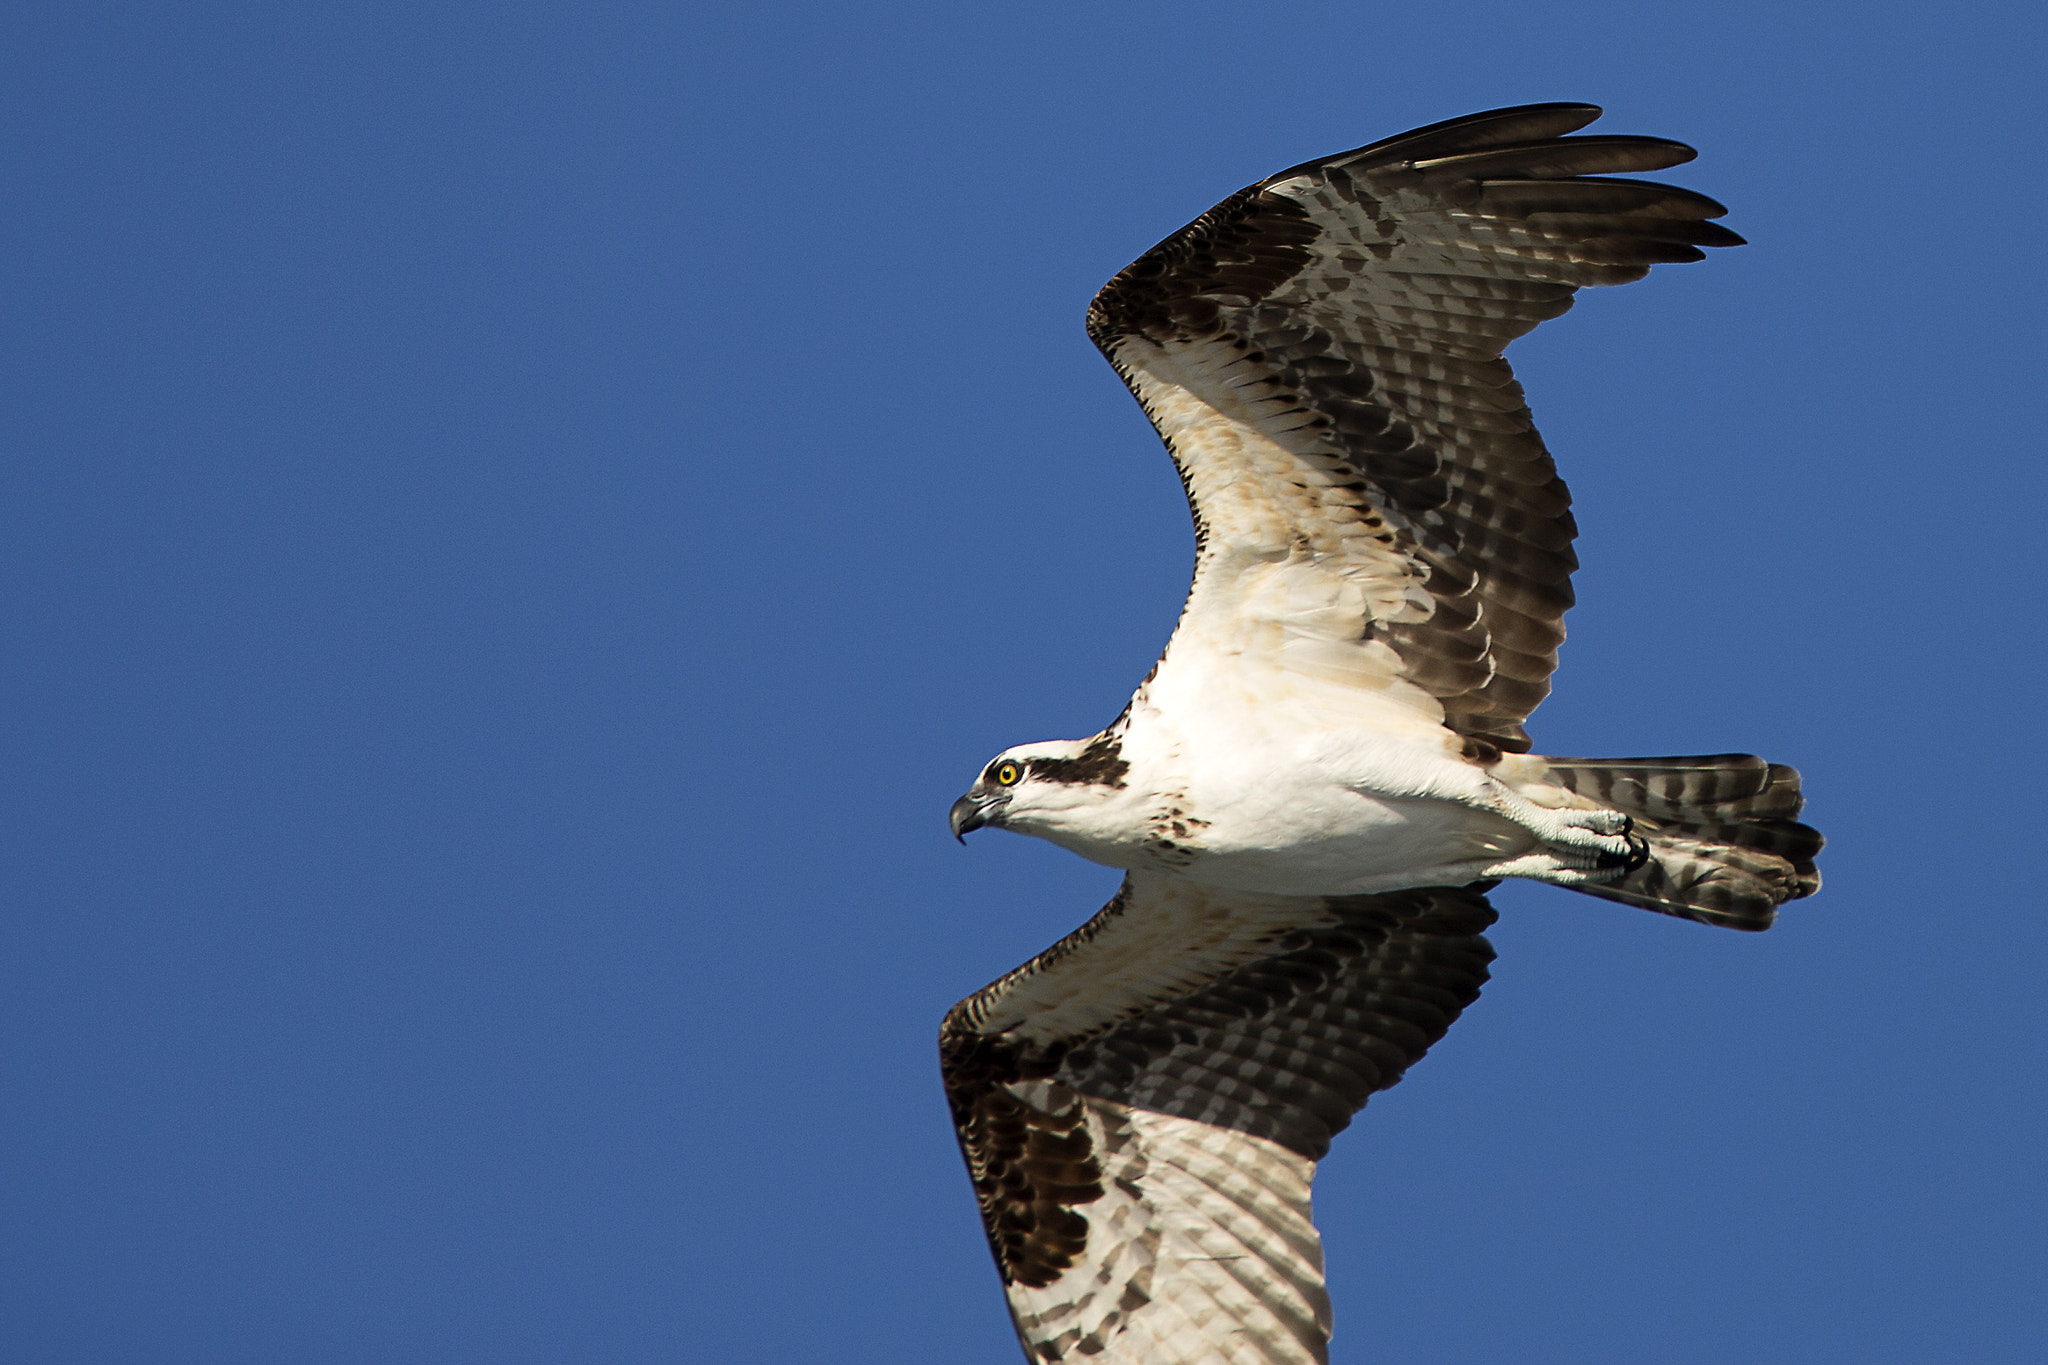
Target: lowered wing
(1142, 1107)
(1322, 354)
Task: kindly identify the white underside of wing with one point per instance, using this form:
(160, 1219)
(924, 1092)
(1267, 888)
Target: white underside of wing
(1200, 1250)
(1293, 572)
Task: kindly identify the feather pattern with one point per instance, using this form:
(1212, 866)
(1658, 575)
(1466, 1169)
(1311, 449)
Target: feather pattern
(1142, 1128)
(1384, 561)
(1724, 846)
(1322, 353)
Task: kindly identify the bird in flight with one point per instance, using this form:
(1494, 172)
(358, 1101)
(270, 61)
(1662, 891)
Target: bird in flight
(1327, 769)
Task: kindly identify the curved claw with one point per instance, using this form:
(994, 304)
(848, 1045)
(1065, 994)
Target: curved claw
(1638, 851)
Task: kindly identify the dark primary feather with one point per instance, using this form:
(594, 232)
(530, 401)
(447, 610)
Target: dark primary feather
(1522, 123)
(1376, 289)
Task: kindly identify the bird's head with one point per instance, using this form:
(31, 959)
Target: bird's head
(1045, 789)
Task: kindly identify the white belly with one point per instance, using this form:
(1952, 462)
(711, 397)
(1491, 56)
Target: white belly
(1338, 816)
(1352, 843)
(1258, 789)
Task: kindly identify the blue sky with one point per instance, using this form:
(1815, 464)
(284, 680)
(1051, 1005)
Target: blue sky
(520, 518)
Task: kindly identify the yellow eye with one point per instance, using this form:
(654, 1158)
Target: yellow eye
(1008, 774)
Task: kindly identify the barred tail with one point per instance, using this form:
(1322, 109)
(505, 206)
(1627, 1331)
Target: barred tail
(1724, 846)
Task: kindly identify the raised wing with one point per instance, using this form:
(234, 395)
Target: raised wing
(1322, 354)
(1142, 1107)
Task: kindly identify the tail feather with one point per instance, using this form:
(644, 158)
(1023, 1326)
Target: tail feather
(1724, 847)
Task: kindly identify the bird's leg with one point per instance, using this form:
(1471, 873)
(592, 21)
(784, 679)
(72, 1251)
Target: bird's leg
(1575, 847)
(1580, 847)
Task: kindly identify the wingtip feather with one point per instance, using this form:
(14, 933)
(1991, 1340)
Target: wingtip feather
(1488, 128)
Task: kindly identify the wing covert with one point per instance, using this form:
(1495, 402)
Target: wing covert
(1322, 353)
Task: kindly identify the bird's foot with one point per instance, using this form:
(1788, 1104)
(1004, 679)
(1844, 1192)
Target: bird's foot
(1580, 847)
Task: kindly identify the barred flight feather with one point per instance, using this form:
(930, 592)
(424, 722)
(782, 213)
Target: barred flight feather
(1142, 1151)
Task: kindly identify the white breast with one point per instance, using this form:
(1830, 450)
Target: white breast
(1283, 794)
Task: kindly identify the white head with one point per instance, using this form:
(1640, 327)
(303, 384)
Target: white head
(1069, 791)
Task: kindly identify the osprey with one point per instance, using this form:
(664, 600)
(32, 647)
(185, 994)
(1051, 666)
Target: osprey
(1326, 769)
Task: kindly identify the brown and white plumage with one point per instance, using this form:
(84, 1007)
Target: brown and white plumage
(1142, 1106)
(1315, 784)
(1322, 353)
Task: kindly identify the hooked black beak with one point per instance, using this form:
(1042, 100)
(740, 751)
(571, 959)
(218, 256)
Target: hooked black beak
(971, 813)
